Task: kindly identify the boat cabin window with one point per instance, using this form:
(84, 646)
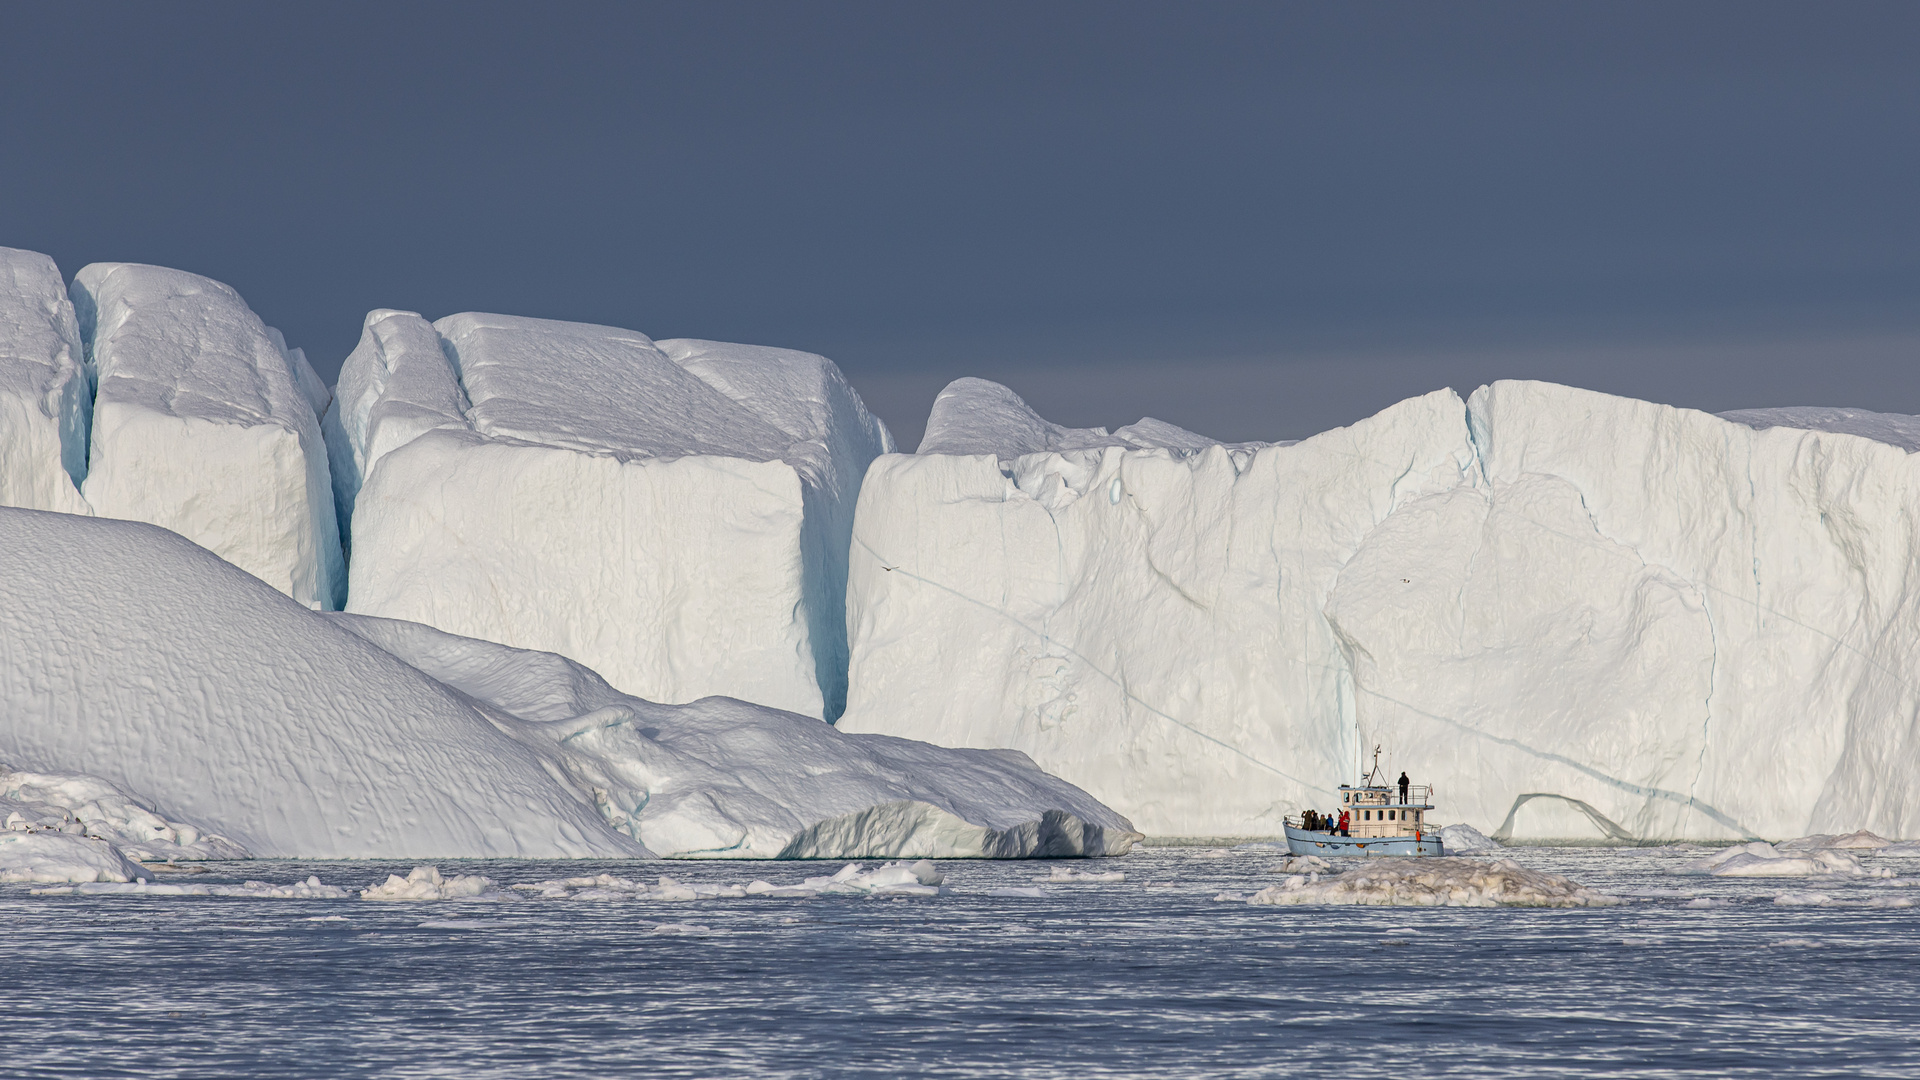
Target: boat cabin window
(1390, 816)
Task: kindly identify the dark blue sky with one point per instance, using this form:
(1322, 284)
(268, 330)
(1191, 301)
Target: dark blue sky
(1253, 220)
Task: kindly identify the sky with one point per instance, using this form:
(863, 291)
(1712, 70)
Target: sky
(1256, 221)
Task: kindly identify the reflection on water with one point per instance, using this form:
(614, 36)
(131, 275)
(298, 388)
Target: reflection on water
(1148, 976)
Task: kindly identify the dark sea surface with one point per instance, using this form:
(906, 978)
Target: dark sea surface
(1148, 977)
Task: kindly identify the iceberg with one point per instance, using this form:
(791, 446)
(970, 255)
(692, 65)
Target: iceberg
(129, 654)
(1143, 621)
(1579, 616)
(723, 778)
(144, 663)
(674, 515)
(204, 422)
(46, 389)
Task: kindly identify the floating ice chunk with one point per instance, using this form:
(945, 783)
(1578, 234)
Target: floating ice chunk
(1761, 859)
(897, 879)
(425, 883)
(38, 801)
(459, 924)
(62, 856)
(46, 391)
(310, 889)
(681, 929)
(1708, 902)
(1444, 882)
(1803, 898)
(199, 425)
(1854, 841)
(1063, 875)
(1463, 839)
(1302, 864)
(1019, 893)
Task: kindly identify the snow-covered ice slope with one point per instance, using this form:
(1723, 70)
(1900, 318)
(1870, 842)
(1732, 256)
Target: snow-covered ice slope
(722, 778)
(675, 518)
(130, 654)
(46, 392)
(1577, 615)
(1144, 623)
(205, 423)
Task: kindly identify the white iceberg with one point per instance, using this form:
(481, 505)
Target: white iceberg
(722, 778)
(674, 515)
(1435, 882)
(46, 390)
(264, 727)
(135, 656)
(205, 422)
(1578, 616)
(1142, 622)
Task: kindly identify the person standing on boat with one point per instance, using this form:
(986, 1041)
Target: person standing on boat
(1403, 789)
(1346, 820)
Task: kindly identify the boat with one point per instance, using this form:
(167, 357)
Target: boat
(1380, 821)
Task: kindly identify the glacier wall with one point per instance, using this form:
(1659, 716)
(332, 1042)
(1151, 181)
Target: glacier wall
(674, 515)
(1579, 616)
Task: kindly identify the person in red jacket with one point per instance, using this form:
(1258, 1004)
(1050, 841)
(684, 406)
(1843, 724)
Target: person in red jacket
(1346, 819)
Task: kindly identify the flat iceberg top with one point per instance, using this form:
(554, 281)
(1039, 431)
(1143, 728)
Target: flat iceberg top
(596, 388)
(976, 416)
(1894, 429)
(797, 392)
(185, 345)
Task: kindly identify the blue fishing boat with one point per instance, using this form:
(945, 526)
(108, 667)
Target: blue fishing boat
(1381, 819)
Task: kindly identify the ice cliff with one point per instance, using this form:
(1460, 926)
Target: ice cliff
(674, 514)
(46, 391)
(206, 423)
(138, 660)
(1576, 615)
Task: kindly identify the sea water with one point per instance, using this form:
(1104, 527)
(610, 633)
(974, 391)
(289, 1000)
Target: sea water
(1148, 976)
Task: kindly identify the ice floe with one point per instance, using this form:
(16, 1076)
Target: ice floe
(426, 883)
(1761, 859)
(310, 889)
(1434, 882)
(62, 856)
(1464, 839)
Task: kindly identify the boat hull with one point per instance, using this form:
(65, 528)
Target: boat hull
(1332, 845)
